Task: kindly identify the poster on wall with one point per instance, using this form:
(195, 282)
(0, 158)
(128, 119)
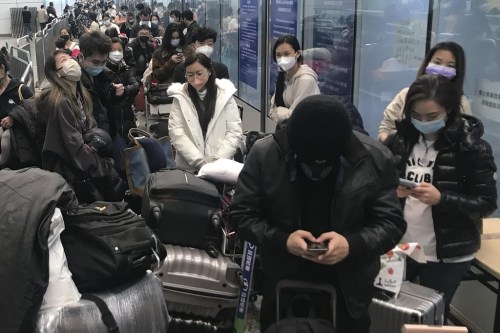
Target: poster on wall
(487, 100)
(249, 42)
(283, 21)
(332, 30)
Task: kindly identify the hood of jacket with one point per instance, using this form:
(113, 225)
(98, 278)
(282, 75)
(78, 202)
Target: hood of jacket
(224, 87)
(13, 84)
(180, 90)
(304, 70)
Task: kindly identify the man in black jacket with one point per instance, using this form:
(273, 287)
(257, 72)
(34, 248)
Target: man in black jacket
(143, 48)
(203, 42)
(145, 19)
(51, 11)
(187, 18)
(317, 181)
(94, 50)
(27, 23)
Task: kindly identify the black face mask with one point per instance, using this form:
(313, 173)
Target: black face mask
(65, 37)
(317, 170)
(143, 39)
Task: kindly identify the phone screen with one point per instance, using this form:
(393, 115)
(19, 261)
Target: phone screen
(316, 247)
(407, 183)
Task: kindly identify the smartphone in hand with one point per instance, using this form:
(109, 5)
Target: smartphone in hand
(407, 183)
(316, 247)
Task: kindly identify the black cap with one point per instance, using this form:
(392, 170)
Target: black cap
(319, 129)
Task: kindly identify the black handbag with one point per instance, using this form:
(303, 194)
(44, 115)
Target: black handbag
(157, 94)
(107, 244)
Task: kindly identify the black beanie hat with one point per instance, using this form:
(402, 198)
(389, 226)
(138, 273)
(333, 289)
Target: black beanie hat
(319, 128)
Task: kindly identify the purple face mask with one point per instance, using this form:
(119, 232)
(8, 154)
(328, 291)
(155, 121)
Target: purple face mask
(447, 72)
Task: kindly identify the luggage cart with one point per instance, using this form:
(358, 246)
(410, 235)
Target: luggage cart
(155, 114)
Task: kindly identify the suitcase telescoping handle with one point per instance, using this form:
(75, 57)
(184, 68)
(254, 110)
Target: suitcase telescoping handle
(302, 288)
(215, 220)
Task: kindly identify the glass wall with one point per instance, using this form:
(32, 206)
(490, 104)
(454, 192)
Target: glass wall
(475, 25)
(391, 44)
(328, 43)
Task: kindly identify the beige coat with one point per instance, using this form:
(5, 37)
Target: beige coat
(303, 84)
(41, 15)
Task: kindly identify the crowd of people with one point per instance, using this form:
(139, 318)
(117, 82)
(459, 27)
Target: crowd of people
(317, 179)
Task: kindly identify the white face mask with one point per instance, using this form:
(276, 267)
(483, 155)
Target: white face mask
(184, 32)
(116, 56)
(286, 63)
(106, 22)
(206, 50)
(144, 23)
(71, 70)
(155, 21)
(175, 42)
(173, 20)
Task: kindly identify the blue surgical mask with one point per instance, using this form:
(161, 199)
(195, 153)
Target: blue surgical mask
(447, 72)
(94, 70)
(428, 127)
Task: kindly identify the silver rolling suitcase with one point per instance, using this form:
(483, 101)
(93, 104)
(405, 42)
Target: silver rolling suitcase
(415, 304)
(137, 306)
(198, 285)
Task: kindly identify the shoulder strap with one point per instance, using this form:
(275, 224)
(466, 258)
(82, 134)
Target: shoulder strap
(20, 93)
(106, 315)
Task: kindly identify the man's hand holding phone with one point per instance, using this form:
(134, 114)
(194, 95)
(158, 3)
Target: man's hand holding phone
(296, 243)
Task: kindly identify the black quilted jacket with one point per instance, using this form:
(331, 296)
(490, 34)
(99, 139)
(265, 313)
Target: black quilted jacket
(464, 173)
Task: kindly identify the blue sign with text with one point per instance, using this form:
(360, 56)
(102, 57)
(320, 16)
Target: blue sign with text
(249, 42)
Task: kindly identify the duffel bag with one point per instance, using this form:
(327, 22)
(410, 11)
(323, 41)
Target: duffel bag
(107, 244)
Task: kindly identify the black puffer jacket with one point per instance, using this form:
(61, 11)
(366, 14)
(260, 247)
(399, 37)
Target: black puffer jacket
(464, 173)
(266, 210)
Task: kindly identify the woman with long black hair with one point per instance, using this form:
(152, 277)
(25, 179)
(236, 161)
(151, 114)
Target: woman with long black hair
(295, 80)
(204, 123)
(74, 147)
(441, 150)
(169, 55)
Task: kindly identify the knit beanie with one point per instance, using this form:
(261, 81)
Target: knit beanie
(319, 129)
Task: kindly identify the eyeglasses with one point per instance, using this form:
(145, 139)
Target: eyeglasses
(199, 75)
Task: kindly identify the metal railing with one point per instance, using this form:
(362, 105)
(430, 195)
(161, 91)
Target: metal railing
(20, 65)
(22, 57)
(16, 21)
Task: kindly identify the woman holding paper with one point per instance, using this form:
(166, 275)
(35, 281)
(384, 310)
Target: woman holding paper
(204, 123)
(442, 151)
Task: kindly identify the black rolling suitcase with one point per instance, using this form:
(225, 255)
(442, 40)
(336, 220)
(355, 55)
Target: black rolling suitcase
(298, 308)
(183, 210)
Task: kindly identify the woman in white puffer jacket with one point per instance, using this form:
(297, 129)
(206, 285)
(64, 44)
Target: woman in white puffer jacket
(204, 123)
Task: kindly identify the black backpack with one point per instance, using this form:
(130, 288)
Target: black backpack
(107, 244)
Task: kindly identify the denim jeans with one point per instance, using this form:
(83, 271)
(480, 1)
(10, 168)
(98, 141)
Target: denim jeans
(27, 29)
(444, 277)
